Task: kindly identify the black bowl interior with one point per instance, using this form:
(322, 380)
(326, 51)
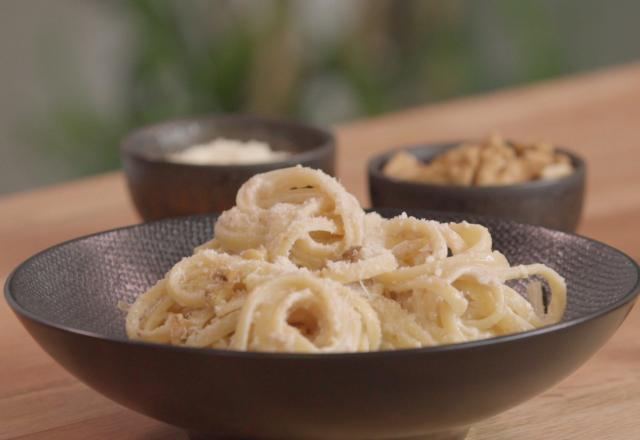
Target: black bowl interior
(78, 284)
(156, 141)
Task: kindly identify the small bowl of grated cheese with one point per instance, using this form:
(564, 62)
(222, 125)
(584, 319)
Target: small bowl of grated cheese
(196, 165)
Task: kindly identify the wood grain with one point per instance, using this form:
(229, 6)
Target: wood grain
(596, 115)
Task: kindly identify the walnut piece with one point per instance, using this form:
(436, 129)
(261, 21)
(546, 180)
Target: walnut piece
(352, 255)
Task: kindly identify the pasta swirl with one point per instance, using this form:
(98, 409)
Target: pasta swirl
(307, 314)
(298, 213)
(297, 266)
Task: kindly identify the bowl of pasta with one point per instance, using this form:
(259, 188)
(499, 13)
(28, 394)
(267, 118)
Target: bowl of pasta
(196, 165)
(533, 183)
(297, 314)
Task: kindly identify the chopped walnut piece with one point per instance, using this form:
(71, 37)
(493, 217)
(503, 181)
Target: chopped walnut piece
(239, 287)
(555, 171)
(219, 276)
(403, 166)
(352, 255)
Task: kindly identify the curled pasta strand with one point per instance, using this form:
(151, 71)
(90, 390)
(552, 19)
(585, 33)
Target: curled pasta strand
(147, 316)
(274, 313)
(412, 241)
(558, 287)
(296, 212)
(467, 238)
(374, 262)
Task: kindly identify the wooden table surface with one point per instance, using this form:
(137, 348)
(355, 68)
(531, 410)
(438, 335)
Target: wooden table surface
(597, 115)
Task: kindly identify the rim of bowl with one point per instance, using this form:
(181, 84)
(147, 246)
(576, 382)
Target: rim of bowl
(628, 297)
(128, 144)
(376, 164)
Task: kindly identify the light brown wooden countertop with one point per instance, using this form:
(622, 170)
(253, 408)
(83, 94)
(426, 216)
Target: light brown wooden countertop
(596, 115)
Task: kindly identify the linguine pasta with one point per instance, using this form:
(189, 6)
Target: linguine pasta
(297, 266)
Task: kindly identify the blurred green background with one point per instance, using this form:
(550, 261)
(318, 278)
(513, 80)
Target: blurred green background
(75, 75)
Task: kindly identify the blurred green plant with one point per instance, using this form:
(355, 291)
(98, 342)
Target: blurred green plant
(193, 57)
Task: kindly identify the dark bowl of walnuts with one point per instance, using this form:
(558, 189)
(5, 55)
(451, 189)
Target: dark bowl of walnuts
(533, 183)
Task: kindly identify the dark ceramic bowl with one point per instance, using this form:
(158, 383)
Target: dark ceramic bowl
(67, 298)
(555, 204)
(161, 188)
